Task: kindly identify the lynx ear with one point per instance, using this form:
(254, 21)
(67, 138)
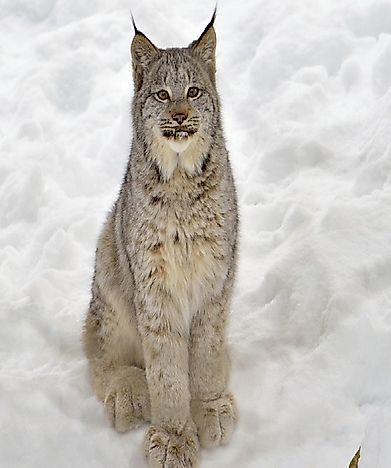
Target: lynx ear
(205, 47)
(143, 52)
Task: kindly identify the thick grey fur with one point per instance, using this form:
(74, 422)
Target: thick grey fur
(165, 264)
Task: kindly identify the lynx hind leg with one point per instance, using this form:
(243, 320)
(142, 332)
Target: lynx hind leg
(122, 388)
(127, 398)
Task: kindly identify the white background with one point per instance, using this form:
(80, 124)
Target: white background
(306, 93)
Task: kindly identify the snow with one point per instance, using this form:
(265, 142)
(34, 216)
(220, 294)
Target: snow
(306, 94)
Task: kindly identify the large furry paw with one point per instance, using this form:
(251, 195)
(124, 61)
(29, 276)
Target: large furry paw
(127, 401)
(215, 419)
(172, 447)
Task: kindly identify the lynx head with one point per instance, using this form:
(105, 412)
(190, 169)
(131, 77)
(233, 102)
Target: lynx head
(175, 102)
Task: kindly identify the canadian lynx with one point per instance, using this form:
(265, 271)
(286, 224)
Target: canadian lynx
(165, 263)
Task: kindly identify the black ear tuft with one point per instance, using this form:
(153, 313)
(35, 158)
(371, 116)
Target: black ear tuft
(209, 25)
(134, 24)
(143, 52)
(205, 46)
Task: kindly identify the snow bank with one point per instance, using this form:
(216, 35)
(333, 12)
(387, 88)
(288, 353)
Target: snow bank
(306, 93)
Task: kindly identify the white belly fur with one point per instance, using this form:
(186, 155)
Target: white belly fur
(191, 273)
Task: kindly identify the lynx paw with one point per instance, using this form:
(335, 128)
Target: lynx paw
(127, 401)
(172, 447)
(215, 420)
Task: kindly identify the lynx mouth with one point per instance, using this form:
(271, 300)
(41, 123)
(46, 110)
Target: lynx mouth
(179, 134)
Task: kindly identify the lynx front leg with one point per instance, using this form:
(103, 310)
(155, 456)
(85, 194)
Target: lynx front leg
(212, 407)
(172, 439)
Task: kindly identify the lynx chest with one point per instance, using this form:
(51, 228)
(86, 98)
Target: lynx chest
(185, 254)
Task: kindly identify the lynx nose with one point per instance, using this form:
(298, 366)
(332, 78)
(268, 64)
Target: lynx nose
(179, 118)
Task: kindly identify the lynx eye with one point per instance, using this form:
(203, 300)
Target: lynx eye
(162, 95)
(193, 92)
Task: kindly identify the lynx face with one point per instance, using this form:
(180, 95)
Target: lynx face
(179, 102)
(176, 99)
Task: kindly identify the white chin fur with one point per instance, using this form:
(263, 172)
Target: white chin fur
(179, 146)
